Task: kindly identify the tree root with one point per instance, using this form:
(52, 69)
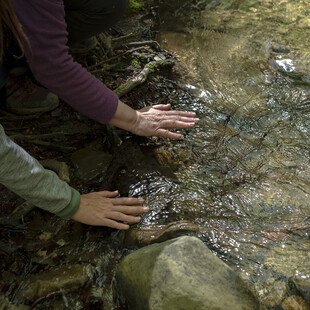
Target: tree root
(153, 44)
(142, 76)
(117, 39)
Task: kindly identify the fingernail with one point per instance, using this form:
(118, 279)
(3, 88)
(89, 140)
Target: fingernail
(141, 199)
(146, 209)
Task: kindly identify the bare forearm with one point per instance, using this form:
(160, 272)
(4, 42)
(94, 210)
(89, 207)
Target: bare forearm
(125, 117)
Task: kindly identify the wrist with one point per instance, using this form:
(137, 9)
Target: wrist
(125, 117)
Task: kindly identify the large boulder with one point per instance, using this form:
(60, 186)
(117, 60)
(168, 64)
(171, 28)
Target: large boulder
(180, 274)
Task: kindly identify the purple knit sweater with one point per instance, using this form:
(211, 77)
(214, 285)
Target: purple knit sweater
(48, 56)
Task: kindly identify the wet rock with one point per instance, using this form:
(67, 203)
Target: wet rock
(90, 163)
(295, 303)
(145, 235)
(180, 274)
(294, 69)
(168, 157)
(58, 167)
(302, 286)
(65, 278)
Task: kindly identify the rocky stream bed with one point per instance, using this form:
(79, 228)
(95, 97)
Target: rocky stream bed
(239, 181)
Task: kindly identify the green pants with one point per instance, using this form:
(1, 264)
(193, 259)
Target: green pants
(86, 18)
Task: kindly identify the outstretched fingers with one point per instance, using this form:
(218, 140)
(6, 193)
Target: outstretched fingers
(176, 124)
(130, 210)
(168, 134)
(121, 217)
(180, 113)
(109, 194)
(162, 107)
(114, 224)
(127, 201)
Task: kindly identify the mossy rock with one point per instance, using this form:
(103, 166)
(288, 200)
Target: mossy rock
(180, 274)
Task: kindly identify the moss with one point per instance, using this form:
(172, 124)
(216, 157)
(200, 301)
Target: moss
(136, 63)
(135, 5)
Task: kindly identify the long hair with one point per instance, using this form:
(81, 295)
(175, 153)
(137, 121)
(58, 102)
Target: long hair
(9, 27)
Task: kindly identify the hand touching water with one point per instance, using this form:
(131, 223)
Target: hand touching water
(106, 209)
(158, 120)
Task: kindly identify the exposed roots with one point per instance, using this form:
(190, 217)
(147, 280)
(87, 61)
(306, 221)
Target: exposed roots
(142, 76)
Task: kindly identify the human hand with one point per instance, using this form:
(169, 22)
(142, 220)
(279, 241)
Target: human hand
(158, 120)
(106, 209)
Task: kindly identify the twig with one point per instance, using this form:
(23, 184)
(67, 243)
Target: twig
(152, 43)
(46, 297)
(122, 37)
(142, 76)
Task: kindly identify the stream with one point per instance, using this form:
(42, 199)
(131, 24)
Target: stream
(246, 183)
(240, 180)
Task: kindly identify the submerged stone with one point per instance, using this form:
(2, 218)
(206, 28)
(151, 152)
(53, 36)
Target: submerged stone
(279, 48)
(180, 274)
(145, 235)
(65, 278)
(292, 68)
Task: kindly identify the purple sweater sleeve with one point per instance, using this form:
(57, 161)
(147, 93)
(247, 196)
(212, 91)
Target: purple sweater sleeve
(48, 56)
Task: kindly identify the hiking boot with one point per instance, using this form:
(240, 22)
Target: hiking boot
(23, 97)
(83, 47)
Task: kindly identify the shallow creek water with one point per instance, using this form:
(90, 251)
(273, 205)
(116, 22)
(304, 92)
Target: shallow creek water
(247, 182)
(241, 176)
